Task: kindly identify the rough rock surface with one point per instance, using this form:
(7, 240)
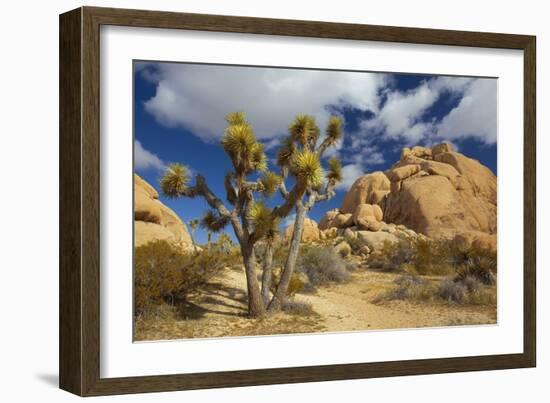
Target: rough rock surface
(155, 221)
(476, 239)
(370, 189)
(326, 221)
(375, 240)
(311, 231)
(444, 196)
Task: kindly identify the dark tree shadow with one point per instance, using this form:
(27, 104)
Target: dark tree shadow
(189, 310)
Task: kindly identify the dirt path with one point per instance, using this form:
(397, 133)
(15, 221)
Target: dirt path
(221, 311)
(350, 306)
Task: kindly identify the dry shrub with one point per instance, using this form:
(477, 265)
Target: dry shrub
(299, 308)
(355, 243)
(468, 290)
(296, 284)
(410, 287)
(477, 263)
(164, 274)
(453, 291)
(322, 265)
(436, 257)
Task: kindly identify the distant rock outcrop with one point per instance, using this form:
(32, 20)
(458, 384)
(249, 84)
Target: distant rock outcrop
(441, 193)
(153, 220)
(433, 191)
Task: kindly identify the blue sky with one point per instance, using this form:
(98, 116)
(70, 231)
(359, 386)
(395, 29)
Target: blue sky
(179, 111)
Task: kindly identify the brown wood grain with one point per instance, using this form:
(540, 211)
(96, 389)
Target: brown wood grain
(80, 196)
(70, 186)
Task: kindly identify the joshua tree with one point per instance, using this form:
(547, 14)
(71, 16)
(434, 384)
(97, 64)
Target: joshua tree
(300, 155)
(193, 224)
(211, 224)
(250, 219)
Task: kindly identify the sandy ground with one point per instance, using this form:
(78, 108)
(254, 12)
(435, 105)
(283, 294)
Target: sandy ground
(221, 311)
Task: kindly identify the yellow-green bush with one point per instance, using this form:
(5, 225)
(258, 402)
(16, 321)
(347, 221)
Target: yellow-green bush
(163, 273)
(436, 257)
(295, 285)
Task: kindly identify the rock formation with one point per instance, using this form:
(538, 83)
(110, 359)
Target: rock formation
(369, 189)
(153, 220)
(310, 233)
(441, 193)
(435, 192)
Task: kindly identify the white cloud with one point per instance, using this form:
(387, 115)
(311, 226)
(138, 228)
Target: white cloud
(401, 117)
(197, 97)
(401, 111)
(349, 173)
(475, 116)
(272, 144)
(145, 159)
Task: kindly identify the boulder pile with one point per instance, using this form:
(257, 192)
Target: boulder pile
(431, 191)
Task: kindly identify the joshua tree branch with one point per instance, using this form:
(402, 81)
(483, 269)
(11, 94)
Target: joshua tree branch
(201, 188)
(294, 196)
(326, 144)
(329, 192)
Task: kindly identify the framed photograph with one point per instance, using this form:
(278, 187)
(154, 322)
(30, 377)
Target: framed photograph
(250, 201)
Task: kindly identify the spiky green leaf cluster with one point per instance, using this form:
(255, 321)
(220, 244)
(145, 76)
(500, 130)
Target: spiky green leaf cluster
(239, 142)
(214, 222)
(262, 218)
(306, 167)
(334, 170)
(174, 181)
(286, 152)
(304, 130)
(235, 118)
(259, 159)
(270, 181)
(334, 129)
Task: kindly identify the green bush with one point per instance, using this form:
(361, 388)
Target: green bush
(322, 265)
(478, 263)
(163, 273)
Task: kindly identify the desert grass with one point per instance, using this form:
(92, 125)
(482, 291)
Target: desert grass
(454, 291)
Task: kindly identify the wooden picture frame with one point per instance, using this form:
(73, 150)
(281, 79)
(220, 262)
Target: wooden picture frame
(79, 346)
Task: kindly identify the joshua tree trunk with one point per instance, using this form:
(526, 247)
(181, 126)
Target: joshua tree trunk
(255, 303)
(266, 272)
(192, 235)
(280, 294)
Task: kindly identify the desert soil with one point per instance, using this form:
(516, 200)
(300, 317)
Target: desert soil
(221, 311)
